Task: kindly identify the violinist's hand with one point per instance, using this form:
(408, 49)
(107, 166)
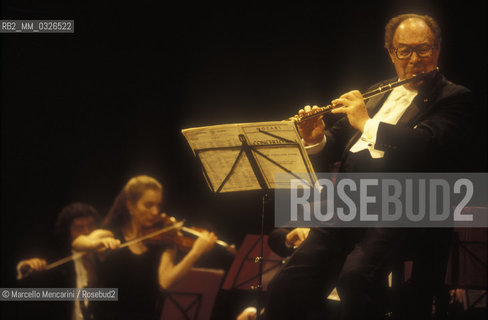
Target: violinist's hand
(352, 104)
(103, 240)
(295, 237)
(26, 267)
(34, 264)
(311, 130)
(204, 243)
(97, 240)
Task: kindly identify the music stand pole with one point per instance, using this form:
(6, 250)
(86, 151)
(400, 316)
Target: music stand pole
(262, 182)
(260, 259)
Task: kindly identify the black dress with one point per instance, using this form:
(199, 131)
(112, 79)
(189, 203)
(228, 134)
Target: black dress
(136, 277)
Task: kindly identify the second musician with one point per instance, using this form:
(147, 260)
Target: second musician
(139, 270)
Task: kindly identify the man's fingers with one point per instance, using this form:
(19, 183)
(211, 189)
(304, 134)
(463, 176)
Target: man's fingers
(351, 95)
(356, 93)
(307, 109)
(339, 110)
(340, 102)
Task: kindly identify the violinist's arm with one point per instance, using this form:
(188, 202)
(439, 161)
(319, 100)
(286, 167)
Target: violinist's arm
(169, 272)
(97, 240)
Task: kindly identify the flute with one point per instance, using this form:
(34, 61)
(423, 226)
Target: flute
(366, 96)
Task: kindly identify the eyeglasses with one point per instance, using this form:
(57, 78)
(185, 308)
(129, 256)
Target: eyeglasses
(423, 51)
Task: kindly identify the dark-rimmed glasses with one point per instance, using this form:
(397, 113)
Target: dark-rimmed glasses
(422, 51)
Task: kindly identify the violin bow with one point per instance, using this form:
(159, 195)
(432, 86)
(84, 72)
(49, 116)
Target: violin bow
(77, 255)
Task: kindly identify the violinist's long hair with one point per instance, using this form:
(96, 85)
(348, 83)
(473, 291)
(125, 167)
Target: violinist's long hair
(119, 215)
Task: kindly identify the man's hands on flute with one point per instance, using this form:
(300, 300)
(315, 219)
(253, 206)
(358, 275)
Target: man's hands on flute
(312, 130)
(351, 103)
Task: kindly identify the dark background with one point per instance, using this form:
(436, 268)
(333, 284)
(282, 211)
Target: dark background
(82, 113)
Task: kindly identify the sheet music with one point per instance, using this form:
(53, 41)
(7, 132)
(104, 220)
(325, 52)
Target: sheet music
(218, 147)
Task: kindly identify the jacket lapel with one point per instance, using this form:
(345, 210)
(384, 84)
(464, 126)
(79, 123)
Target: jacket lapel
(411, 113)
(422, 103)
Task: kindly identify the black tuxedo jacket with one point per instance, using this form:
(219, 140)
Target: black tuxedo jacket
(429, 137)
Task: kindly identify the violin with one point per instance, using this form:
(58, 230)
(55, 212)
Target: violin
(183, 237)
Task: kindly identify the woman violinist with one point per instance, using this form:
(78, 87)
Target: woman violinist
(140, 270)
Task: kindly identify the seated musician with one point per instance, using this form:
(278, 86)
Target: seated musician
(73, 221)
(140, 270)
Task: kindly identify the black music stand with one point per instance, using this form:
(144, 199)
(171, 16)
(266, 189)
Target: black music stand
(265, 137)
(194, 296)
(243, 273)
(468, 261)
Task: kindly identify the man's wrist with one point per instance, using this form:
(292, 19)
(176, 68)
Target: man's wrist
(315, 148)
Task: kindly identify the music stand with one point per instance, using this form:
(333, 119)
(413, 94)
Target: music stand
(243, 273)
(241, 157)
(468, 267)
(193, 297)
